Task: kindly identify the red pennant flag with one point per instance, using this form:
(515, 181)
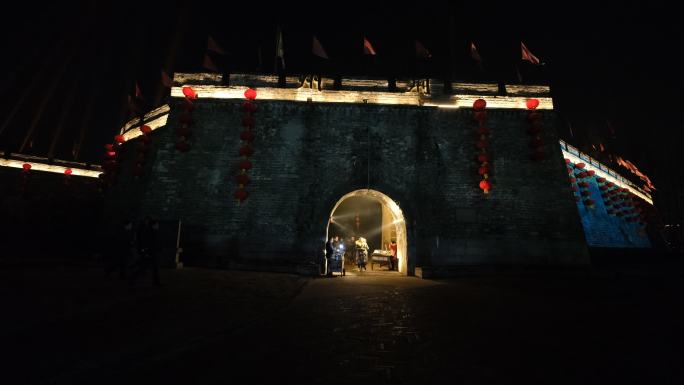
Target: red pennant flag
(474, 54)
(527, 55)
(367, 47)
(317, 49)
(212, 46)
(421, 51)
(209, 64)
(166, 79)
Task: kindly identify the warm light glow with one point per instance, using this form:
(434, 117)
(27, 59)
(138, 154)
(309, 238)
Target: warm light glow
(362, 91)
(397, 219)
(40, 166)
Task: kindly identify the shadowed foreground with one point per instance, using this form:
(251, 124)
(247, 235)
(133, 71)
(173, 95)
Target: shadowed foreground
(207, 326)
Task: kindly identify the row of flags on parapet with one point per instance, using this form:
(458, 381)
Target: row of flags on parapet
(318, 50)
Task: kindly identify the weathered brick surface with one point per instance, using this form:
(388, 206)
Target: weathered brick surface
(307, 155)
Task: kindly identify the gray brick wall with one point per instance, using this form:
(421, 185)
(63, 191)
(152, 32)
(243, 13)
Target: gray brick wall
(307, 155)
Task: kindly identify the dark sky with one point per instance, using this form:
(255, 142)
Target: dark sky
(71, 66)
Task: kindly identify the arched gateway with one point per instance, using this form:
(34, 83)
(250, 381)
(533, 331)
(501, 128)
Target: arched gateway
(394, 222)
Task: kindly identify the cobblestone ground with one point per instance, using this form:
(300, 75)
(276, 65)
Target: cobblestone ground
(382, 328)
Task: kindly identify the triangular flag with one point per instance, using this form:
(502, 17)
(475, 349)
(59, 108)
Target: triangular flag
(212, 46)
(367, 47)
(209, 64)
(166, 79)
(317, 49)
(421, 51)
(474, 54)
(280, 52)
(527, 55)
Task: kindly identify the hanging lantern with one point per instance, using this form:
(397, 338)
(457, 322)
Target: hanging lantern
(245, 165)
(186, 119)
(483, 131)
(580, 165)
(190, 93)
(532, 104)
(247, 121)
(242, 179)
(483, 158)
(26, 166)
(119, 139)
(485, 186)
(241, 195)
(480, 117)
(246, 151)
(249, 107)
(573, 180)
(182, 146)
(482, 144)
(575, 188)
(247, 136)
(68, 171)
(483, 170)
(479, 105)
(109, 147)
(591, 173)
(601, 180)
(145, 129)
(250, 94)
(110, 154)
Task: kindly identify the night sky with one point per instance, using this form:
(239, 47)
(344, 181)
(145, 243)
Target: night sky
(72, 66)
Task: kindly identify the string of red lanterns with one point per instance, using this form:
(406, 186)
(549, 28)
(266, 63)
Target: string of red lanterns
(535, 120)
(186, 119)
(25, 175)
(246, 150)
(482, 144)
(572, 179)
(110, 165)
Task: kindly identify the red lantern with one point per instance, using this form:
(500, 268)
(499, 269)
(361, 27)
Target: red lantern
(189, 93)
(119, 139)
(109, 147)
(580, 165)
(573, 180)
(249, 107)
(241, 195)
(591, 173)
(483, 158)
(187, 105)
(246, 151)
(485, 186)
(483, 170)
(567, 161)
(537, 142)
(110, 154)
(186, 119)
(601, 180)
(534, 117)
(532, 104)
(479, 105)
(247, 121)
(245, 165)
(250, 94)
(242, 179)
(480, 117)
(482, 144)
(26, 166)
(575, 188)
(145, 129)
(68, 171)
(483, 131)
(183, 131)
(182, 146)
(247, 136)
(583, 174)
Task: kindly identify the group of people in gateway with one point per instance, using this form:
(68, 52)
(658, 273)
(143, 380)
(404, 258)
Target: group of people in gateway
(354, 251)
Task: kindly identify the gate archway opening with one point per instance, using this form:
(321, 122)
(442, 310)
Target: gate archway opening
(374, 216)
